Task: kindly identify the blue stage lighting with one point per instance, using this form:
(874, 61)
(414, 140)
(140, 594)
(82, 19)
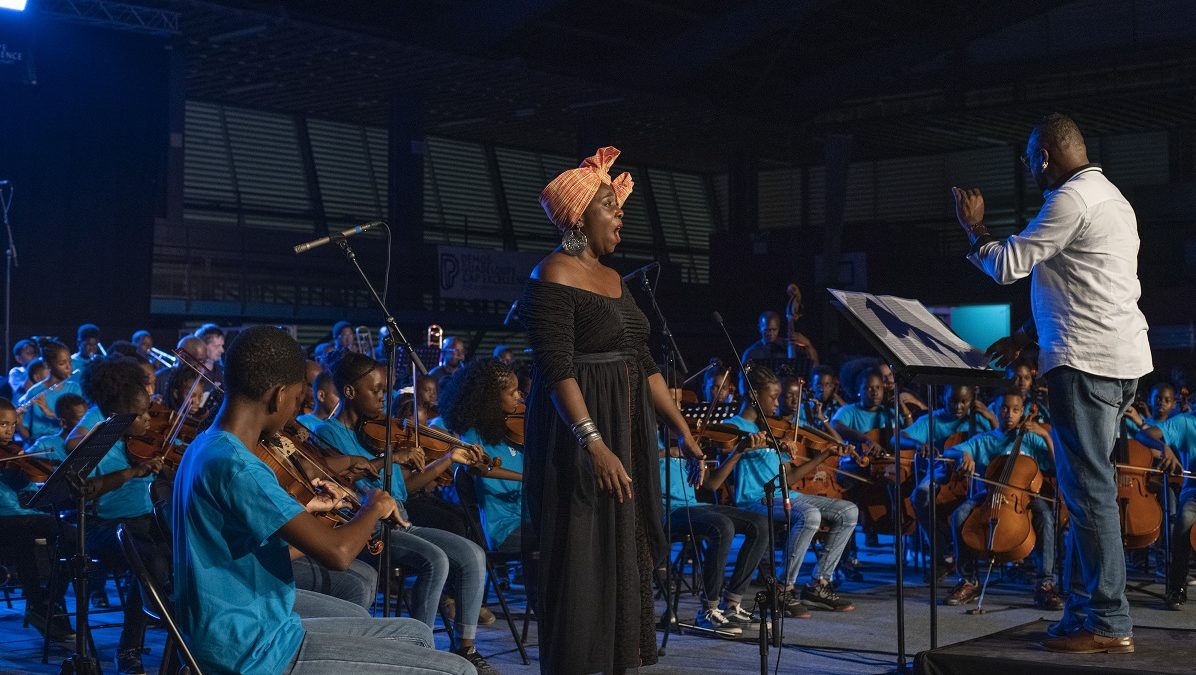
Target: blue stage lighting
(18, 5)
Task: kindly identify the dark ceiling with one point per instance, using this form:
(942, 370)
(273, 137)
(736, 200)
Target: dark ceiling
(696, 82)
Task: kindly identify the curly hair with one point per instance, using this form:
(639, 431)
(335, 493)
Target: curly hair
(259, 358)
(113, 383)
(471, 399)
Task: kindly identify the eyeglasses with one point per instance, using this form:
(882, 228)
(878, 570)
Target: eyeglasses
(1025, 159)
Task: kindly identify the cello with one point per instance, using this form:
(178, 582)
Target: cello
(1141, 513)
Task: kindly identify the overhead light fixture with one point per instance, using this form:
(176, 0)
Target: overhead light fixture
(234, 34)
(250, 87)
(459, 123)
(16, 5)
(591, 104)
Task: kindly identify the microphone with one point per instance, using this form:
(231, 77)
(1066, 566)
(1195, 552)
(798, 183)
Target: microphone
(511, 313)
(643, 270)
(343, 234)
(718, 318)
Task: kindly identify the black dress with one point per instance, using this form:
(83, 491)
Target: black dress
(593, 580)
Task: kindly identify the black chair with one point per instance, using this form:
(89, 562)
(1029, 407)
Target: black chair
(157, 608)
(467, 493)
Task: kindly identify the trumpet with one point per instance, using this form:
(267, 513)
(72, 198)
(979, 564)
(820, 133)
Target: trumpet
(165, 358)
(364, 340)
(435, 336)
(100, 346)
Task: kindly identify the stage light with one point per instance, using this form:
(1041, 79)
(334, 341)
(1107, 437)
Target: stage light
(18, 5)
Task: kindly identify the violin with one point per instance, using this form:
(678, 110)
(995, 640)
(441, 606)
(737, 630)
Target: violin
(515, 425)
(1000, 527)
(279, 453)
(37, 470)
(151, 443)
(1141, 514)
(435, 443)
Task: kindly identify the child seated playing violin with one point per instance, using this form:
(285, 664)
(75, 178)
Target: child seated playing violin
(1173, 441)
(437, 556)
(120, 485)
(972, 457)
(233, 526)
(754, 468)
(20, 528)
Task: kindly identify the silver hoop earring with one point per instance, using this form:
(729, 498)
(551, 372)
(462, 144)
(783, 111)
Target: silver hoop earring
(574, 241)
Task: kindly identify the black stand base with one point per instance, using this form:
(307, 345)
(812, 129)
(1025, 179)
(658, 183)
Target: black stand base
(1016, 650)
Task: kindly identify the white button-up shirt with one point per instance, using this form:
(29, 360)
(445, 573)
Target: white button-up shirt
(1082, 250)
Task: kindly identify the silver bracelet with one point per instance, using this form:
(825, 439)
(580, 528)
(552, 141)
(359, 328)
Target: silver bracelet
(589, 438)
(584, 428)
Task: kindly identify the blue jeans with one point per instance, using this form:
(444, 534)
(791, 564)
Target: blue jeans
(437, 556)
(1085, 412)
(341, 636)
(809, 513)
(717, 526)
(1181, 544)
(358, 584)
(1042, 519)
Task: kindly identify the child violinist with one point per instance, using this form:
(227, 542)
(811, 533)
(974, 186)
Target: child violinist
(438, 556)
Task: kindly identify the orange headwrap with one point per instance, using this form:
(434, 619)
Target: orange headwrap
(568, 195)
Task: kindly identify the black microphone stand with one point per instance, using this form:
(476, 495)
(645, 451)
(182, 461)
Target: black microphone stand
(674, 364)
(389, 342)
(769, 598)
(10, 261)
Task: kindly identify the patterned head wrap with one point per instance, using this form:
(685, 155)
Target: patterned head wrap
(567, 196)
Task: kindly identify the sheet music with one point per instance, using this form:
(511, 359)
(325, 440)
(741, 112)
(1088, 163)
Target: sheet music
(915, 336)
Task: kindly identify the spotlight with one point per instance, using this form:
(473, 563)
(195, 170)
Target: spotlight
(18, 5)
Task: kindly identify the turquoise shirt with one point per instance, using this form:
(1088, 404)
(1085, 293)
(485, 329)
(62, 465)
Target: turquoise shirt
(309, 421)
(945, 426)
(234, 592)
(92, 417)
(996, 443)
(12, 483)
(754, 470)
(854, 416)
(54, 443)
(35, 419)
(501, 500)
(342, 438)
(129, 500)
(679, 489)
(1179, 432)
(1044, 415)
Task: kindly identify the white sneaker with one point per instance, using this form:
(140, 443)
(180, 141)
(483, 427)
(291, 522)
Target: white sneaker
(713, 619)
(738, 616)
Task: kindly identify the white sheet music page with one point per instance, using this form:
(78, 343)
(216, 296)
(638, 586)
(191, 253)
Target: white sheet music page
(915, 336)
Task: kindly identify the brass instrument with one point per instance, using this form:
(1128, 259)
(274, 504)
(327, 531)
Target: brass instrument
(363, 341)
(165, 358)
(435, 336)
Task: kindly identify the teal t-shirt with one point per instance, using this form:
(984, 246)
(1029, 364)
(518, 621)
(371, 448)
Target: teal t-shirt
(12, 483)
(129, 500)
(309, 421)
(35, 419)
(54, 444)
(1179, 432)
(754, 470)
(501, 500)
(854, 416)
(234, 592)
(342, 438)
(678, 489)
(946, 425)
(1044, 415)
(987, 447)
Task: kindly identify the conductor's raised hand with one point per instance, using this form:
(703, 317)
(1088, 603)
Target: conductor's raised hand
(969, 208)
(609, 473)
(1006, 350)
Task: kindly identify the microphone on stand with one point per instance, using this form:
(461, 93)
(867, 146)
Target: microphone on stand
(343, 234)
(643, 270)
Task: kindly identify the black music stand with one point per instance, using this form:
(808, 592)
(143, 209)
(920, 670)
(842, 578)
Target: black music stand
(68, 485)
(921, 349)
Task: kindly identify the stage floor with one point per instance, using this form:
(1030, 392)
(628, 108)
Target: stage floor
(1159, 651)
(862, 641)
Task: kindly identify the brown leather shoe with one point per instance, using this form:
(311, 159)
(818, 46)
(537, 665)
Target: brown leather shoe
(1084, 642)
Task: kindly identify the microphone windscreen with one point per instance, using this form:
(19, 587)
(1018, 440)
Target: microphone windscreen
(718, 317)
